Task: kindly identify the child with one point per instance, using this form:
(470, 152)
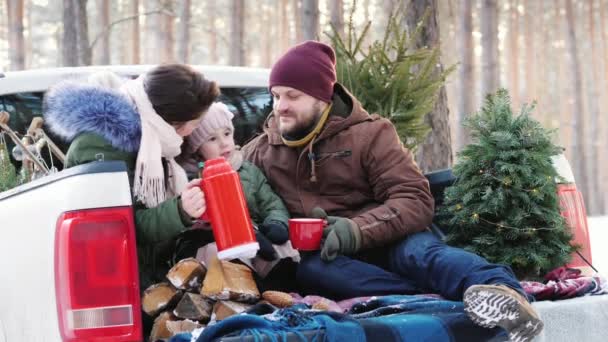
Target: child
(213, 138)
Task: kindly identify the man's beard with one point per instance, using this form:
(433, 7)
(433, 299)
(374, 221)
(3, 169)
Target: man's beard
(302, 128)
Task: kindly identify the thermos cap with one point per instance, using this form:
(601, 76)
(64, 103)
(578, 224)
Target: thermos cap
(247, 251)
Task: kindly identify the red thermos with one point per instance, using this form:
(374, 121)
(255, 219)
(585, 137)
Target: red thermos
(227, 211)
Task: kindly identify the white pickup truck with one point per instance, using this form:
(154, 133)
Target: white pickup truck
(68, 262)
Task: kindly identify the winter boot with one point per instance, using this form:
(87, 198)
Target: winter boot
(498, 305)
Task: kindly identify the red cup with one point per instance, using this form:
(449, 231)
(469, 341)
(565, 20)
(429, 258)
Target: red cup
(306, 233)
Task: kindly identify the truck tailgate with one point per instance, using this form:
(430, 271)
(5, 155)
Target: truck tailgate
(28, 218)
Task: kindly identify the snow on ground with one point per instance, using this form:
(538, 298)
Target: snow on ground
(598, 233)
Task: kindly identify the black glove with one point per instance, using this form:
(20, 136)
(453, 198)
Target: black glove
(275, 231)
(266, 250)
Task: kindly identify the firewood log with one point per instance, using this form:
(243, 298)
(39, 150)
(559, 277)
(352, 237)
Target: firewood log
(176, 327)
(194, 307)
(225, 308)
(159, 297)
(229, 281)
(187, 274)
(159, 329)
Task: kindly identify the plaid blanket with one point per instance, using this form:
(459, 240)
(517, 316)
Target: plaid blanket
(388, 318)
(564, 283)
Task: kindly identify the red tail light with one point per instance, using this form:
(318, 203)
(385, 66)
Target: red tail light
(96, 276)
(573, 210)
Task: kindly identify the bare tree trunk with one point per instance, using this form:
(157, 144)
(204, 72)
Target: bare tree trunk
(388, 8)
(237, 36)
(465, 101)
(543, 58)
(284, 30)
(3, 23)
(564, 112)
(297, 14)
(530, 62)
(59, 41)
(32, 45)
(310, 19)
(212, 9)
(167, 39)
(70, 37)
(183, 32)
(16, 42)
(270, 27)
(102, 52)
(135, 40)
(125, 40)
(514, 52)
(153, 34)
(593, 170)
(604, 40)
(336, 10)
(82, 32)
(578, 117)
(436, 151)
(366, 17)
(489, 45)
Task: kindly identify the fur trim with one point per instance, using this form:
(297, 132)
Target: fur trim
(72, 108)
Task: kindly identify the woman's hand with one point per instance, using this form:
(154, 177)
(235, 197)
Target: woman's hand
(193, 199)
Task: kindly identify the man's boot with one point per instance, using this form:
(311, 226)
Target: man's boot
(499, 305)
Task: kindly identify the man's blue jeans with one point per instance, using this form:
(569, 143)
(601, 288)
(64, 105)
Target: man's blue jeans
(420, 264)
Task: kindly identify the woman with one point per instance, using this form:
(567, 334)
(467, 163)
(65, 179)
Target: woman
(141, 122)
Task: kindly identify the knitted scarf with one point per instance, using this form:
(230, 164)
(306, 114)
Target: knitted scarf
(158, 140)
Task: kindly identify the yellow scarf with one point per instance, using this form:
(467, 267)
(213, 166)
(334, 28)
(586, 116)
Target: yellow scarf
(312, 134)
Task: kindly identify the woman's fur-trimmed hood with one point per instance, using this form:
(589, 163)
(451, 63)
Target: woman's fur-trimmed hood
(72, 108)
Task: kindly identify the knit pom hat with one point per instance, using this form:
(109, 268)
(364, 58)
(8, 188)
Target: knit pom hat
(218, 116)
(309, 67)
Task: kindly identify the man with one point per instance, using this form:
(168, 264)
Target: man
(324, 154)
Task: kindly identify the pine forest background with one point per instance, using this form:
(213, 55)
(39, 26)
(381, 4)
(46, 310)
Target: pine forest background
(554, 52)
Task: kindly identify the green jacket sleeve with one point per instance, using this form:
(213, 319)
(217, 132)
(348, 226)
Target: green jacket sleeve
(270, 205)
(160, 223)
(163, 222)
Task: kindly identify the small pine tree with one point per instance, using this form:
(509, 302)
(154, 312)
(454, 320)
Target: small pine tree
(504, 204)
(391, 77)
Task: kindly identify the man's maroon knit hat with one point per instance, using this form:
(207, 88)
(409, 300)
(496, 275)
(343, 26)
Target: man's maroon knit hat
(309, 67)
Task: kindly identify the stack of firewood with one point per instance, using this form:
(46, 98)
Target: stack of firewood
(195, 296)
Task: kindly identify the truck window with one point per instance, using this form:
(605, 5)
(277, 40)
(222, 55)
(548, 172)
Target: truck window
(23, 107)
(249, 105)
